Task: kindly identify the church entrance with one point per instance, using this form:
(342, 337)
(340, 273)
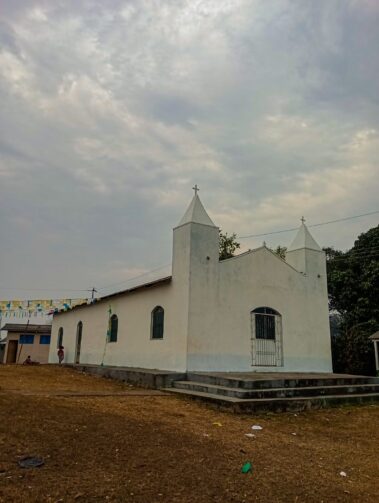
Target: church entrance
(266, 337)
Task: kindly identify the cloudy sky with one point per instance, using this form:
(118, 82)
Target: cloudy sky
(112, 110)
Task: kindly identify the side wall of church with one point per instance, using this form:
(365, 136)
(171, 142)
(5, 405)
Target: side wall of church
(258, 279)
(134, 346)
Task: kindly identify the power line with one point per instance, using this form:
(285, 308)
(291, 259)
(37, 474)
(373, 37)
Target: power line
(47, 289)
(134, 277)
(312, 225)
(351, 259)
(358, 251)
(362, 249)
(346, 218)
(92, 290)
(354, 256)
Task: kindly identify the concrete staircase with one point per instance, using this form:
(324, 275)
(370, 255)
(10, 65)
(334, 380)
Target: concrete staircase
(252, 393)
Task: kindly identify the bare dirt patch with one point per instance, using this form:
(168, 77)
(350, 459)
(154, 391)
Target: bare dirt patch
(164, 449)
(43, 378)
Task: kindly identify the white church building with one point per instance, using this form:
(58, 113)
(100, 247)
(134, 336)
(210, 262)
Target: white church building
(251, 312)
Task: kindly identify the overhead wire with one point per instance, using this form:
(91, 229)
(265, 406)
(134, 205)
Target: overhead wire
(105, 287)
(311, 225)
(359, 250)
(134, 277)
(354, 256)
(47, 289)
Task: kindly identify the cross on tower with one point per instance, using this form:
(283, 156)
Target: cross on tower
(196, 189)
(302, 220)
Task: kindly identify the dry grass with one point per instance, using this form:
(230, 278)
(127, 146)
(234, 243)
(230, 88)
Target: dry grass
(151, 449)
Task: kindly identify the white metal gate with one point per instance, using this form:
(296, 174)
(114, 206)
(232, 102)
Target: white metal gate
(266, 338)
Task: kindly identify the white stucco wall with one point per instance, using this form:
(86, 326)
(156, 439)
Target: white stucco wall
(220, 328)
(134, 346)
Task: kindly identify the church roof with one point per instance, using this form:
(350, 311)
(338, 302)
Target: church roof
(304, 239)
(23, 327)
(143, 286)
(196, 214)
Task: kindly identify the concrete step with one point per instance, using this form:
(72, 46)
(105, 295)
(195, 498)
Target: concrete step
(145, 378)
(292, 404)
(280, 382)
(276, 392)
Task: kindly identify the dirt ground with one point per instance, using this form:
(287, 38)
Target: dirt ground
(152, 448)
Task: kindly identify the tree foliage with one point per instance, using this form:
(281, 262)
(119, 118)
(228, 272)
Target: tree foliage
(353, 283)
(280, 251)
(228, 245)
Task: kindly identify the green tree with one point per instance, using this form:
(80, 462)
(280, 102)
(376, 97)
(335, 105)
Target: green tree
(353, 283)
(228, 245)
(280, 251)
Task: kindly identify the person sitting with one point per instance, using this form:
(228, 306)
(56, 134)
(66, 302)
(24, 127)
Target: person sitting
(28, 361)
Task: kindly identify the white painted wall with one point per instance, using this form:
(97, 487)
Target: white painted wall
(253, 280)
(134, 346)
(207, 311)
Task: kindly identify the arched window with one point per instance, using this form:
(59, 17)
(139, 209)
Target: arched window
(113, 328)
(60, 337)
(157, 323)
(265, 323)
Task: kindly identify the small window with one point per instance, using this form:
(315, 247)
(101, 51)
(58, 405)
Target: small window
(60, 337)
(157, 323)
(44, 339)
(26, 339)
(113, 328)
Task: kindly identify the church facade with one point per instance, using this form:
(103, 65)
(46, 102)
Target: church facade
(252, 312)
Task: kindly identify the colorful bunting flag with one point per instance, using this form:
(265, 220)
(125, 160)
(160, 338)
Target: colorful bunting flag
(36, 307)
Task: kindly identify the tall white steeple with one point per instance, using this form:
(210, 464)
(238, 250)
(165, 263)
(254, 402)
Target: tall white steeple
(196, 213)
(196, 240)
(195, 270)
(305, 255)
(304, 239)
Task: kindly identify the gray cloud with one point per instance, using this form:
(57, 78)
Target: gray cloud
(112, 111)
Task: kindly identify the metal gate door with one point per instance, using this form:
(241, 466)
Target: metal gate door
(266, 338)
